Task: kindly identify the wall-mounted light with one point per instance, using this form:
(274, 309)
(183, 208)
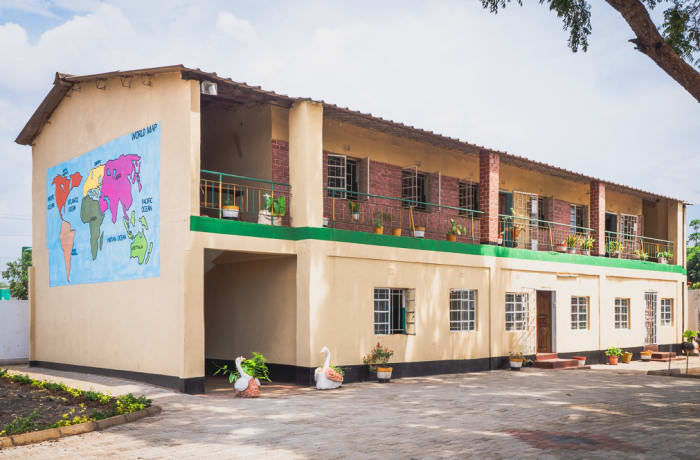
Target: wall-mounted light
(209, 88)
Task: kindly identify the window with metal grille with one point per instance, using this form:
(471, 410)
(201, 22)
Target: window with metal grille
(390, 310)
(413, 188)
(577, 217)
(337, 176)
(541, 215)
(516, 312)
(628, 226)
(352, 185)
(462, 309)
(622, 313)
(666, 312)
(468, 197)
(579, 312)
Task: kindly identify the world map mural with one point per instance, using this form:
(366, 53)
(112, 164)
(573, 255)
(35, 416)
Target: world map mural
(103, 212)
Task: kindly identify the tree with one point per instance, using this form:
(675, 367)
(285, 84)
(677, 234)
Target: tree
(17, 273)
(675, 48)
(694, 237)
(693, 259)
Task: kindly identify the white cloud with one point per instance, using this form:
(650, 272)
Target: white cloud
(238, 29)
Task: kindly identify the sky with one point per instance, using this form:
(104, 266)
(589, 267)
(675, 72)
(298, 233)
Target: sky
(505, 81)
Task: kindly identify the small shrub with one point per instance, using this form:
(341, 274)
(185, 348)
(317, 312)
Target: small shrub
(338, 370)
(20, 425)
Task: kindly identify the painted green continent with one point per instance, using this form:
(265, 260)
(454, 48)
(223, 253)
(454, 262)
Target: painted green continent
(144, 223)
(90, 214)
(139, 247)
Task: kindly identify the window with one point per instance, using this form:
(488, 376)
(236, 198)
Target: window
(579, 312)
(516, 312)
(622, 313)
(628, 226)
(577, 217)
(666, 312)
(390, 311)
(468, 197)
(413, 188)
(342, 176)
(462, 310)
(540, 209)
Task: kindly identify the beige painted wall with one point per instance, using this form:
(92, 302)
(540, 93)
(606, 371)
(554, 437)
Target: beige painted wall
(131, 325)
(251, 306)
(236, 140)
(513, 178)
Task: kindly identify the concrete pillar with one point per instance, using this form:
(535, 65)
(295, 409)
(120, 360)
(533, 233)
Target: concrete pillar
(597, 217)
(489, 165)
(192, 369)
(676, 231)
(306, 163)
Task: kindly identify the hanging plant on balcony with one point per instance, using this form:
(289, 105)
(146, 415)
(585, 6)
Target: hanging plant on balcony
(454, 229)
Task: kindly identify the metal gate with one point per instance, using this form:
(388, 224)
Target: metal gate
(650, 317)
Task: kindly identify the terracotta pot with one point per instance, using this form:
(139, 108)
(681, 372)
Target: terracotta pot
(396, 231)
(580, 359)
(379, 230)
(384, 374)
(626, 357)
(612, 360)
(451, 237)
(561, 248)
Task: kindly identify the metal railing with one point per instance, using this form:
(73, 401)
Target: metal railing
(626, 246)
(231, 196)
(409, 216)
(536, 234)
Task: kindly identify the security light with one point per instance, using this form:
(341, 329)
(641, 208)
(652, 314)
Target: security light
(208, 88)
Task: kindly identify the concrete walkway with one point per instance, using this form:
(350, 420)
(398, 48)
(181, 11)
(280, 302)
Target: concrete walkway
(639, 366)
(499, 414)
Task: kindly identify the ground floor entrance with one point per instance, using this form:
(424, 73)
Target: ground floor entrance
(544, 322)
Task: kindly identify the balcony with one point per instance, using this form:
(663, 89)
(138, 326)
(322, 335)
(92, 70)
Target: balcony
(543, 235)
(399, 217)
(626, 246)
(247, 199)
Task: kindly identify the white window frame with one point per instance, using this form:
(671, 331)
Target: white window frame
(340, 191)
(579, 313)
(463, 306)
(632, 221)
(622, 313)
(667, 312)
(517, 307)
(382, 311)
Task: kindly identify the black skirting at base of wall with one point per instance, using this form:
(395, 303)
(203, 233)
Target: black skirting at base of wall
(193, 385)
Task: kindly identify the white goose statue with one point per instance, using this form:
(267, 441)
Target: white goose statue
(246, 386)
(326, 378)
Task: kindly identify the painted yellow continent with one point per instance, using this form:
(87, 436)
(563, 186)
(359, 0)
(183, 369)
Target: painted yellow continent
(94, 179)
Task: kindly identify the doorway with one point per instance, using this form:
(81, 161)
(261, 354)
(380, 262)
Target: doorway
(650, 317)
(544, 322)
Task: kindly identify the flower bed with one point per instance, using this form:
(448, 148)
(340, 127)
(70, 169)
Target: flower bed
(28, 404)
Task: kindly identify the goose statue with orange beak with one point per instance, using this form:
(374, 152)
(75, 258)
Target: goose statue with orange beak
(246, 386)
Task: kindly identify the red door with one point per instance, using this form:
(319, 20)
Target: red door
(544, 322)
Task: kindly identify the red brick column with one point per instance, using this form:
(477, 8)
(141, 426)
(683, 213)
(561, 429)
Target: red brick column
(280, 161)
(597, 217)
(489, 165)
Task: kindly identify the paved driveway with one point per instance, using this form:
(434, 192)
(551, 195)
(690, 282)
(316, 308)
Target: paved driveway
(500, 414)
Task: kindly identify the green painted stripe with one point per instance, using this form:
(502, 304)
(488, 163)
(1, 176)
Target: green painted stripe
(232, 227)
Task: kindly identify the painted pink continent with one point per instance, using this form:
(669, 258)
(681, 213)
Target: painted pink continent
(119, 176)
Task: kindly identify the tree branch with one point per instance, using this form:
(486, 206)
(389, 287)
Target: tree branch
(649, 41)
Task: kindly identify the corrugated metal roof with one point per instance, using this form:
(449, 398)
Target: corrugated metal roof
(63, 82)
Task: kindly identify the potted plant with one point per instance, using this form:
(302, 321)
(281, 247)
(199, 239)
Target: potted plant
(587, 245)
(255, 367)
(664, 256)
(378, 360)
(275, 209)
(378, 226)
(689, 346)
(615, 248)
(419, 231)
(613, 353)
(571, 242)
(580, 360)
(516, 360)
(396, 231)
(645, 355)
(354, 209)
(230, 210)
(500, 239)
(640, 254)
(626, 357)
(561, 247)
(453, 229)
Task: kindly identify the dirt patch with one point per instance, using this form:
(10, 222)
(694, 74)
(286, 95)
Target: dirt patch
(21, 399)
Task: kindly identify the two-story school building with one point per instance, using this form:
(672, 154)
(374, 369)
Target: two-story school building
(181, 218)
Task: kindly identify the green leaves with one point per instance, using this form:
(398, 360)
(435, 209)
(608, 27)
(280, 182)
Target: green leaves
(18, 276)
(681, 28)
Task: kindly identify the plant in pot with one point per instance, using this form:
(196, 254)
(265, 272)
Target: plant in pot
(640, 254)
(613, 354)
(354, 209)
(689, 346)
(664, 256)
(255, 367)
(515, 359)
(587, 245)
(626, 357)
(572, 241)
(275, 209)
(454, 229)
(561, 247)
(230, 210)
(378, 226)
(615, 248)
(378, 360)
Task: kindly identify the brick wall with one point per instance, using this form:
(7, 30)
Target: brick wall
(597, 217)
(280, 161)
(489, 166)
(561, 212)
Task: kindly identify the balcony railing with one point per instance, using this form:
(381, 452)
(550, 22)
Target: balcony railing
(536, 234)
(249, 199)
(363, 211)
(628, 246)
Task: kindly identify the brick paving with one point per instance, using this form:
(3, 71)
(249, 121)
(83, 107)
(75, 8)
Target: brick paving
(500, 414)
